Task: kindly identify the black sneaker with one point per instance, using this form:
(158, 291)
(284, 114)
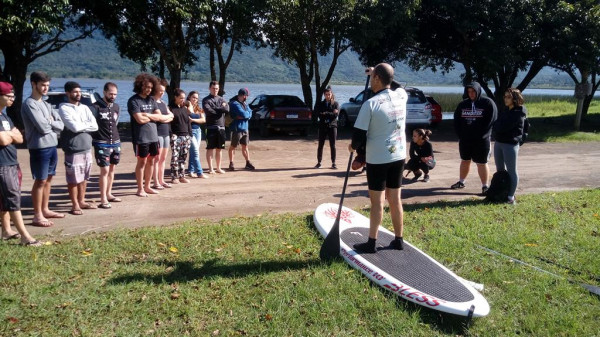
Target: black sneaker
(231, 167)
(426, 178)
(365, 247)
(457, 185)
(397, 244)
(249, 166)
(334, 166)
(484, 190)
(318, 165)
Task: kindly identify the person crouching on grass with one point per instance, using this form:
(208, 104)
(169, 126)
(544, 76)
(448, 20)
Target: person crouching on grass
(76, 142)
(10, 173)
(421, 155)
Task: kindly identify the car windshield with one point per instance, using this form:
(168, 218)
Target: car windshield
(287, 101)
(415, 97)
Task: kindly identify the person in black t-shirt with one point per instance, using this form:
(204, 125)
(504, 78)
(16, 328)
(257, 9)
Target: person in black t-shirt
(10, 173)
(144, 115)
(421, 155)
(181, 137)
(215, 107)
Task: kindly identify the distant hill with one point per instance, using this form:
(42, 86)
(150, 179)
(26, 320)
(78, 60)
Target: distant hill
(98, 57)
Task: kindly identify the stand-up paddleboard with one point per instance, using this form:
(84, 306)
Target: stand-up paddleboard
(409, 273)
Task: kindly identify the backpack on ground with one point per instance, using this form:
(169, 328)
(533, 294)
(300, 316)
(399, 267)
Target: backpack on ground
(499, 187)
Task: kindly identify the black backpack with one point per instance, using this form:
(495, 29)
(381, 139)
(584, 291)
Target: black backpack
(498, 191)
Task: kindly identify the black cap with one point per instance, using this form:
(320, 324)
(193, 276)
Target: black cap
(244, 92)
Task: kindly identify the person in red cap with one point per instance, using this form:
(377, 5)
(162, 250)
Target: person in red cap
(240, 114)
(10, 173)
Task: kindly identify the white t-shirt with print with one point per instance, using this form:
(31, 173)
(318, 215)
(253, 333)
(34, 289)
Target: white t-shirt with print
(383, 116)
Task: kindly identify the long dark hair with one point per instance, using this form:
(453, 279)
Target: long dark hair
(423, 133)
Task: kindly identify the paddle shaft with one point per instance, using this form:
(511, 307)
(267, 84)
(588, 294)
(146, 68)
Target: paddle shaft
(331, 245)
(590, 288)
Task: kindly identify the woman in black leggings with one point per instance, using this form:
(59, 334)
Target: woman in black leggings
(328, 111)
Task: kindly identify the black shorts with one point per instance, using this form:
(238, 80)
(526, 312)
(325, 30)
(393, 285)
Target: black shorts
(107, 154)
(382, 176)
(475, 150)
(144, 150)
(215, 139)
(10, 188)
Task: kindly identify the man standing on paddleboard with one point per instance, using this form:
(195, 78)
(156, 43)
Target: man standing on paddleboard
(380, 125)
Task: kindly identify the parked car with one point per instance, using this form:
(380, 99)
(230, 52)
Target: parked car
(418, 109)
(56, 96)
(280, 112)
(436, 110)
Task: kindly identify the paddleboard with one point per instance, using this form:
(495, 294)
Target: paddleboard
(410, 273)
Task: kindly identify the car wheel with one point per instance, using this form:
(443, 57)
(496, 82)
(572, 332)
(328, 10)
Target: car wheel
(264, 130)
(342, 120)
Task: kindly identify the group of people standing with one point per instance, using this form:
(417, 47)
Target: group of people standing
(155, 127)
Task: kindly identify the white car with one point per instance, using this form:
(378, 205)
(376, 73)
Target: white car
(418, 109)
(56, 96)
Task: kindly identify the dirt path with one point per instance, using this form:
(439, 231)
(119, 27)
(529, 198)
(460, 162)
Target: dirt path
(285, 181)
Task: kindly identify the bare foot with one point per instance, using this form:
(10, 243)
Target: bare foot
(53, 215)
(150, 191)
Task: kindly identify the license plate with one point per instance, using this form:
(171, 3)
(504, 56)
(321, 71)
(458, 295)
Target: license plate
(292, 116)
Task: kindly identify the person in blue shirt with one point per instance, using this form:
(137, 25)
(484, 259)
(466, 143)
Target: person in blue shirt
(240, 114)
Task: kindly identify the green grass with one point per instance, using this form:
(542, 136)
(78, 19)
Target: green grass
(261, 276)
(552, 117)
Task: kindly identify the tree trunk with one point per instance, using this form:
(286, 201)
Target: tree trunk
(175, 73)
(16, 73)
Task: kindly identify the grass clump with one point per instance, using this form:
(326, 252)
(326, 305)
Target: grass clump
(261, 276)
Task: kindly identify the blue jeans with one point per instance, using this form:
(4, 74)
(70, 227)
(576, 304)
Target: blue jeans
(195, 166)
(505, 156)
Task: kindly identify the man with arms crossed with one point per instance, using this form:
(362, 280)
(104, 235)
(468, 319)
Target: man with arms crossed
(76, 142)
(41, 125)
(215, 108)
(10, 173)
(107, 142)
(144, 113)
(240, 114)
(380, 124)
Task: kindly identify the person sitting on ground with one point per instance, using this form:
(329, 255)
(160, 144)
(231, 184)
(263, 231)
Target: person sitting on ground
(10, 173)
(421, 155)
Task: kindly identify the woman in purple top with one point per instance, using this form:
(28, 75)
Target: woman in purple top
(181, 131)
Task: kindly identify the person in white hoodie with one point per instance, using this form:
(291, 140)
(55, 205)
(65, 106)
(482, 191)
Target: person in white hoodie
(76, 142)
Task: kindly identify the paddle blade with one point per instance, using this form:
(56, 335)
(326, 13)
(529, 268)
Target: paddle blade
(330, 249)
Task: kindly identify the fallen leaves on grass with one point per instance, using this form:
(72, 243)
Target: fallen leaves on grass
(173, 249)
(12, 319)
(531, 245)
(86, 252)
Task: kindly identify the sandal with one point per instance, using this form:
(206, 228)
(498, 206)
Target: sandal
(89, 206)
(114, 199)
(166, 185)
(34, 243)
(42, 223)
(158, 187)
(76, 212)
(12, 237)
(105, 206)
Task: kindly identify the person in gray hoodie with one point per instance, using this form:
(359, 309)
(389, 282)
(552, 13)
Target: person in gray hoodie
(76, 142)
(41, 125)
(473, 121)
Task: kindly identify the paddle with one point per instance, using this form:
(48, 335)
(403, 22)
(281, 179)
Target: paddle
(593, 289)
(331, 246)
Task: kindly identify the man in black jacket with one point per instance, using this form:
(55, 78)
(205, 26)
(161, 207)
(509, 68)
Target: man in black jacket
(473, 121)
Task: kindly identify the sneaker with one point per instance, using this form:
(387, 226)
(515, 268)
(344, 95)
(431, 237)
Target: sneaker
(318, 165)
(417, 176)
(426, 178)
(231, 167)
(484, 190)
(220, 171)
(193, 175)
(512, 201)
(334, 166)
(457, 185)
(249, 166)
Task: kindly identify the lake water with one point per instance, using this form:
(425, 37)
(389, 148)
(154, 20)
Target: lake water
(342, 92)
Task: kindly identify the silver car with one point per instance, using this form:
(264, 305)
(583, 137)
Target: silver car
(418, 109)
